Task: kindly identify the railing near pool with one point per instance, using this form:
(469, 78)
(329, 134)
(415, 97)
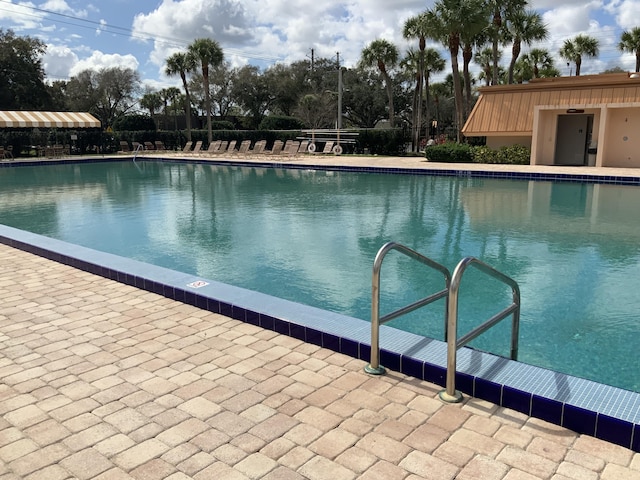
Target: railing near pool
(450, 292)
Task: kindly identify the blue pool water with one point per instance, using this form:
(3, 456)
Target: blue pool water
(311, 236)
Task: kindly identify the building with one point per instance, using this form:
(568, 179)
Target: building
(589, 120)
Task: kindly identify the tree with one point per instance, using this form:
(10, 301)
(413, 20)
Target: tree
(524, 26)
(450, 20)
(181, 64)
(630, 42)
(384, 55)
(573, 50)
(364, 101)
(107, 93)
(502, 9)
(22, 84)
(250, 90)
(484, 58)
(417, 27)
(208, 53)
(541, 63)
(151, 101)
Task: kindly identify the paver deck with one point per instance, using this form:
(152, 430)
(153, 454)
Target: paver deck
(100, 380)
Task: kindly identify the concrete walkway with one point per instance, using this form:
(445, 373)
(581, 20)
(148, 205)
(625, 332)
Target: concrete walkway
(99, 380)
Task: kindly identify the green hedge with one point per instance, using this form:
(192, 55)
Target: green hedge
(463, 153)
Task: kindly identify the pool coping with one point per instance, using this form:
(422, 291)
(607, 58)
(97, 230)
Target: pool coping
(605, 412)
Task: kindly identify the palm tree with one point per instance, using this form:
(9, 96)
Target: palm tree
(180, 64)
(484, 58)
(524, 27)
(573, 50)
(433, 63)
(417, 27)
(412, 64)
(502, 10)
(630, 42)
(383, 54)
(450, 20)
(208, 53)
(540, 61)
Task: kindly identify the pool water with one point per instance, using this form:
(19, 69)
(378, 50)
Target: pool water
(311, 237)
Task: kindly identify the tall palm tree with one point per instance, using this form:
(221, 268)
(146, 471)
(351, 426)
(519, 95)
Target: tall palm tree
(181, 64)
(630, 42)
(208, 53)
(383, 54)
(573, 50)
(417, 27)
(502, 10)
(433, 63)
(525, 26)
(411, 63)
(450, 19)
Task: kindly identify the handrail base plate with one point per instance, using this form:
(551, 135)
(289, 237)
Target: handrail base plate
(455, 398)
(380, 370)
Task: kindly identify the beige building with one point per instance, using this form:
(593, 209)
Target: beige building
(588, 120)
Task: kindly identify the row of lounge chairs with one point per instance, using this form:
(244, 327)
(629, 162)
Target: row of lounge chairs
(290, 148)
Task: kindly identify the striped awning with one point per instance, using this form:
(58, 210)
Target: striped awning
(15, 119)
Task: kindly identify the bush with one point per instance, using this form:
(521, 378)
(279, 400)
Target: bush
(512, 154)
(134, 122)
(450, 153)
(463, 153)
(280, 122)
(222, 125)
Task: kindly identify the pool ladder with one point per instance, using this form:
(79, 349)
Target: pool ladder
(450, 291)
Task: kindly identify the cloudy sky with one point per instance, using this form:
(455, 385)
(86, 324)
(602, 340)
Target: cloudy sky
(141, 34)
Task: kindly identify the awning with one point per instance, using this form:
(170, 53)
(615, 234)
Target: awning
(15, 119)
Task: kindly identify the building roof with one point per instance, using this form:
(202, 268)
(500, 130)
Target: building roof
(507, 110)
(20, 119)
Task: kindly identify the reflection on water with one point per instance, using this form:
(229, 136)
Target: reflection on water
(311, 236)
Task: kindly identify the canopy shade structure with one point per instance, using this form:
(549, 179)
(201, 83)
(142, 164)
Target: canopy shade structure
(19, 119)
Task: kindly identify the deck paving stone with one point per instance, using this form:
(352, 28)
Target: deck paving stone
(117, 385)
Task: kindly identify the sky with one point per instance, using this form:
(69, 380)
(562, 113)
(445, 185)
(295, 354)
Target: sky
(141, 34)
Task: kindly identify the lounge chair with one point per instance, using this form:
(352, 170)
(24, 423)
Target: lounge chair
(213, 147)
(216, 148)
(187, 147)
(137, 146)
(6, 154)
(197, 147)
(303, 148)
(149, 146)
(124, 147)
(243, 149)
(276, 149)
(231, 148)
(159, 145)
(258, 148)
(291, 148)
(328, 148)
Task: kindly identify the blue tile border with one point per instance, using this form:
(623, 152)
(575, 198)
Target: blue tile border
(594, 409)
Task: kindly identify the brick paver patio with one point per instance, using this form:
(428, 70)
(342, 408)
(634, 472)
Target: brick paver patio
(99, 380)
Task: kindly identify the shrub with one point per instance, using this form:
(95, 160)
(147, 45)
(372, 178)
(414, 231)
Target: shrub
(280, 122)
(135, 122)
(222, 125)
(450, 153)
(512, 154)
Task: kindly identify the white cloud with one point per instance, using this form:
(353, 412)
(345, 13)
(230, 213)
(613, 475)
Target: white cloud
(58, 61)
(99, 60)
(61, 6)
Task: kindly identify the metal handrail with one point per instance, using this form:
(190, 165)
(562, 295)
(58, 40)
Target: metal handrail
(135, 153)
(451, 395)
(374, 367)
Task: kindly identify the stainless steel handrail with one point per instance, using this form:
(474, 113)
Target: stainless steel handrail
(451, 395)
(374, 367)
(135, 153)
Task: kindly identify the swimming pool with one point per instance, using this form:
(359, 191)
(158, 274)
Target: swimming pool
(311, 236)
